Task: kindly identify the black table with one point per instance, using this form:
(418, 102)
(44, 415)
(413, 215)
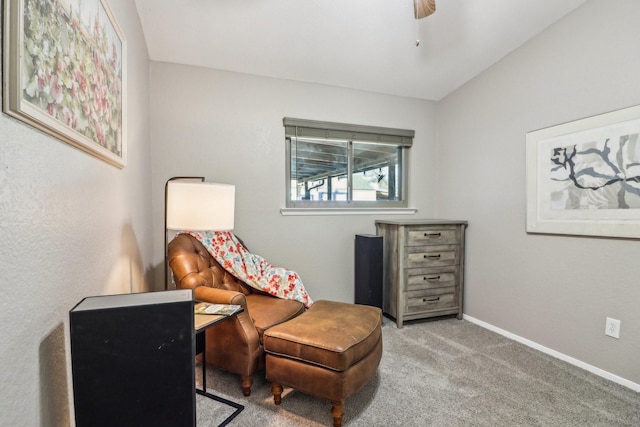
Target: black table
(202, 322)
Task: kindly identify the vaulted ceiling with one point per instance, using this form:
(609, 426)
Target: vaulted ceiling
(360, 44)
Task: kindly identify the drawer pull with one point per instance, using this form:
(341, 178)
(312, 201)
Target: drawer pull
(431, 300)
(432, 235)
(432, 256)
(432, 278)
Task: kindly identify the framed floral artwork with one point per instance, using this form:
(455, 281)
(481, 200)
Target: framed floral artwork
(64, 73)
(583, 177)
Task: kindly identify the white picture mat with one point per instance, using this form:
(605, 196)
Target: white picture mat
(542, 216)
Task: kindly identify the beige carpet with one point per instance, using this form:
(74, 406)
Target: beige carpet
(443, 373)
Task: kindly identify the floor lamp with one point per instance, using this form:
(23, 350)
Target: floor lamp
(191, 204)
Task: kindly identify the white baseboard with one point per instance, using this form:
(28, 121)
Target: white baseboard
(580, 364)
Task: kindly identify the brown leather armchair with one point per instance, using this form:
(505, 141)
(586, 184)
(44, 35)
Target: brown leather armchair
(234, 345)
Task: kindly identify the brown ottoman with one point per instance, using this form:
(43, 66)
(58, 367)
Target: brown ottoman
(330, 352)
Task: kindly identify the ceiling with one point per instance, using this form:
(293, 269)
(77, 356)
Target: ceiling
(360, 44)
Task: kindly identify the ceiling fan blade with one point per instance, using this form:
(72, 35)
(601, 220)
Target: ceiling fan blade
(423, 8)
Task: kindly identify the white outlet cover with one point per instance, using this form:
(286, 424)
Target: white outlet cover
(612, 328)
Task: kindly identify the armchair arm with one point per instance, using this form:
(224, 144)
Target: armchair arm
(219, 296)
(232, 345)
(223, 296)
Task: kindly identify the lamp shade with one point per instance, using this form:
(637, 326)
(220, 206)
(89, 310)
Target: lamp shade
(200, 206)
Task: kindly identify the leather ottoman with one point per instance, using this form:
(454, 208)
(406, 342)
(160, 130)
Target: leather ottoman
(330, 351)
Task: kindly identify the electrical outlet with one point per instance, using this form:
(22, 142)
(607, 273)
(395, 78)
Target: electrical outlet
(612, 328)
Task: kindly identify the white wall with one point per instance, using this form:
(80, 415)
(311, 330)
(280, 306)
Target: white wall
(228, 128)
(553, 290)
(71, 226)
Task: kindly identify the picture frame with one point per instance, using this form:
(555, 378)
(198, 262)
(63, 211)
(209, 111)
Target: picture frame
(64, 72)
(583, 177)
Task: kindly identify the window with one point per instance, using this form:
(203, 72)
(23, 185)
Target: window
(343, 165)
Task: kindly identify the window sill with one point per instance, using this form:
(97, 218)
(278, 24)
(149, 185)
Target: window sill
(347, 211)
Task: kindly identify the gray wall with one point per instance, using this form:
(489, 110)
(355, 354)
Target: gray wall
(228, 128)
(553, 290)
(71, 226)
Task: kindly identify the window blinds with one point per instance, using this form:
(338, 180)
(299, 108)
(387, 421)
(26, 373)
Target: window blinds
(318, 130)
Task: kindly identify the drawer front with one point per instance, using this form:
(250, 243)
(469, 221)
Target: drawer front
(429, 278)
(430, 300)
(431, 256)
(432, 236)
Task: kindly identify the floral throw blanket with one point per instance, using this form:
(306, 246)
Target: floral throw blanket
(252, 269)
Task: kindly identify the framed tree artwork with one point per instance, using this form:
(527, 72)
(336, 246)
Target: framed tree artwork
(583, 177)
(64, 73)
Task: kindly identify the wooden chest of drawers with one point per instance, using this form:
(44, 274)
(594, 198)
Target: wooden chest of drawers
(423, 268)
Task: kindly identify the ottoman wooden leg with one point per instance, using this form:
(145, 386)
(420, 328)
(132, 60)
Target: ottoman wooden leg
(337, 410)
(276, 390)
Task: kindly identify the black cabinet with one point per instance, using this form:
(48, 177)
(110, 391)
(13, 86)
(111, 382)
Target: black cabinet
(133, 360)
(368, 270)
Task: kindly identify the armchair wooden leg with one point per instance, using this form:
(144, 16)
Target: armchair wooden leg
(276, 390)
(337, 410)
(246, 383)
